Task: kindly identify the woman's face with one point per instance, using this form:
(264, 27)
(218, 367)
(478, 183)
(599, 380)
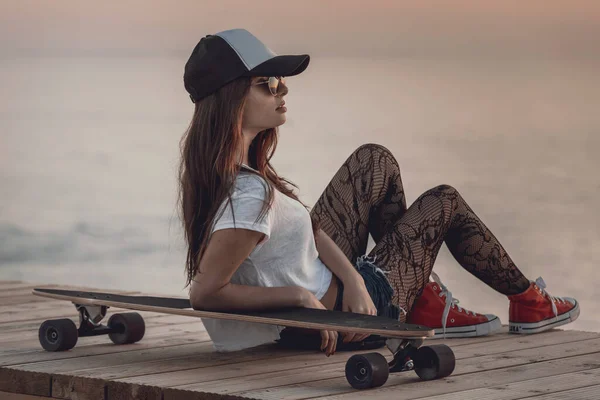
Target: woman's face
(261, 109)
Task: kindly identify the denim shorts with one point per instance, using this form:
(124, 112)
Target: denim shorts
(377, 285)
(381, 293)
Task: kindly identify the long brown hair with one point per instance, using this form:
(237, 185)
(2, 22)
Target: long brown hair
(208, 166)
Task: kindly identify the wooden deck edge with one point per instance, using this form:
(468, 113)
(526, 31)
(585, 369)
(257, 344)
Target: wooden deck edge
(18, 396)
(22, 382)
(41, 385)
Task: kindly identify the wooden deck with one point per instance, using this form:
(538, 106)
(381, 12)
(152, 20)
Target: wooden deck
(175, 360)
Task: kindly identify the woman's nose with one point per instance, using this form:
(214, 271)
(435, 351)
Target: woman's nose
(283, 90)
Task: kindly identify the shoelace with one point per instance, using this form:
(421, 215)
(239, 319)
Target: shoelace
(450, 302)
(539, 282)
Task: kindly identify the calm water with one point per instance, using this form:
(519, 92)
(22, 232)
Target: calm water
(89, 152)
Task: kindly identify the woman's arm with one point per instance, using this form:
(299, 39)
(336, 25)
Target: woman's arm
(211, 289)
(356, 297)
(242, 297)
(335, 259)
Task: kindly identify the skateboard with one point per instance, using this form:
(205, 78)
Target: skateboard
(363, 371)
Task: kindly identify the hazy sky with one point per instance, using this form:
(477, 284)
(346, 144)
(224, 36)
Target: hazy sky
(335, 27)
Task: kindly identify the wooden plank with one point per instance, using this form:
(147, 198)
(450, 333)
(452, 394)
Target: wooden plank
(140, 368)
(17, 396)
(528, 356)
(282, 373)
(71, 382)
(36, 311)
(24, 298)
(151, 317)
(65, 385)
(411, 387)
(549, 338)
(193, 369)
(29, 331)
(39, 355)
(14, 285)
(153, 367)
(585, 393)
(128, 391)
(32, 383)
(177, 394)
(68, 387)
(461, 352)
(268, 375)
(34, 354)
(39, 382)
(158, 373)
(533, 387)
(165, 330)
(503, 334)
(136, 368)
(99, 365)
(44, 305)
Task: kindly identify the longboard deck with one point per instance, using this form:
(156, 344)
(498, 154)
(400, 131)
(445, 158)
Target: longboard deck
(291, 317)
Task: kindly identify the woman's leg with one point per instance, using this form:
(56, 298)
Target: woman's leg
(366, 196)
(440, 215)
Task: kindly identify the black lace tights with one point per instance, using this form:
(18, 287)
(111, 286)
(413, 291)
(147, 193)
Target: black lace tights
(366, 196)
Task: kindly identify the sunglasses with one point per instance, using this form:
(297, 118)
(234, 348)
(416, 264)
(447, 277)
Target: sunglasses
(273, 82)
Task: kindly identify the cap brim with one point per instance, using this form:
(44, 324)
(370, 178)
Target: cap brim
(281, 66)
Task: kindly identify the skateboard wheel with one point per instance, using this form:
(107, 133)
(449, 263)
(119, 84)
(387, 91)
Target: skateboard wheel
(434, 362)
(368, 370)
(130, 328)
(58, 334)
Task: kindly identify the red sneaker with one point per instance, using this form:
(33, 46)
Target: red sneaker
(535, 310)
(437, 309)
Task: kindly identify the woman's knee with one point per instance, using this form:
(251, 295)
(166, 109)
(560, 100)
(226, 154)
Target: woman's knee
(438, 193)
(373, 148)
(374, 153)
(444, 188)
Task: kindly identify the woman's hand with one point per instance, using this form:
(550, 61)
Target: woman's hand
(328, 338)
(357, 300)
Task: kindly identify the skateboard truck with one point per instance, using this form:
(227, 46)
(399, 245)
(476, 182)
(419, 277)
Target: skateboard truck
(403, 351)
(62, 334)
(89, 320)
(91, 314)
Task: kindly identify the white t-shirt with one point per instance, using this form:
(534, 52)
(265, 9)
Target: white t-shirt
(287, 256)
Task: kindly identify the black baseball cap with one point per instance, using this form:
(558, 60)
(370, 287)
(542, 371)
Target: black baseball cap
(225, 56)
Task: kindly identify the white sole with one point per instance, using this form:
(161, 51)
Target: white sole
(547, 324)
(482, 329)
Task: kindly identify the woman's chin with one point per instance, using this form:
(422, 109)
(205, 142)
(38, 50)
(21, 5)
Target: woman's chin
(282, 119)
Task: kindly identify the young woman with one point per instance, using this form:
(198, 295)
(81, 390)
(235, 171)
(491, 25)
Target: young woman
(253, 245)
